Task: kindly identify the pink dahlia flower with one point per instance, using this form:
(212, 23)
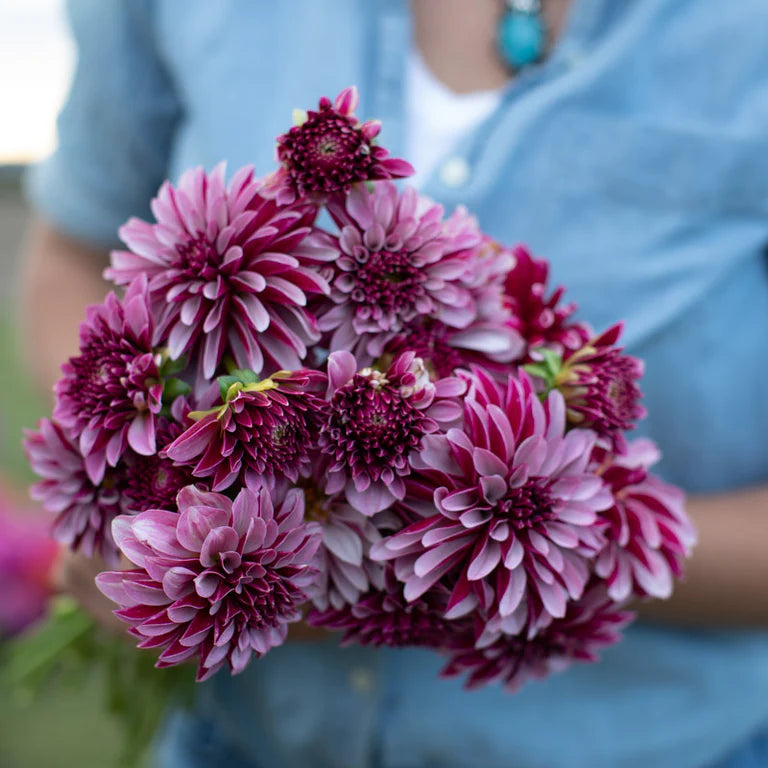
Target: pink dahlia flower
(346, 570)
(152, 482)
(515, 517)
(540, 320)
(328, 150)
(264, 430)
(383, 617)
(599, 384)
(229, 271)
(488, 341)
(397, 261)
(649, 535)
(376, 421)
(590, 624)
(84, 509)
(111, 393)
(219, 581)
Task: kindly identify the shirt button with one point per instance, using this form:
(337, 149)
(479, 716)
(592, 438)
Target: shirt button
(361, 680)
(455, 172)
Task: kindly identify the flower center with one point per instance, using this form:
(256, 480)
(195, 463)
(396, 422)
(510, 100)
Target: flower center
(430, 344)
(527, 506)
(315, 503)
(199, 259)
(152, 483)
(390, 282)
(372, 426)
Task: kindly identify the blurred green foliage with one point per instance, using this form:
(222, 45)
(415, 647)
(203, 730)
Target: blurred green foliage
(67, 722)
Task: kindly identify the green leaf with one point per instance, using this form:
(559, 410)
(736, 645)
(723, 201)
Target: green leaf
(35, 655)
(238, 375)
(174, 388)
(225, 382)
(246, 375)
(170, 367)
(552, 360)
(537, 369)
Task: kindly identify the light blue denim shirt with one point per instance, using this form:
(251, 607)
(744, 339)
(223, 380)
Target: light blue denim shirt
(636, 160)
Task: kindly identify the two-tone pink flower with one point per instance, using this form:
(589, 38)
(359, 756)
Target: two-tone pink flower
(514, 521)
(219, 581)
(649, 536)
(397, 262)
(264, 430)
(229, 271)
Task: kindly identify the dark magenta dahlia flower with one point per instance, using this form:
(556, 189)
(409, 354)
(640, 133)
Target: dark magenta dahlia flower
(111, 393)
(328, 150)
(263, 431)
(376, 420)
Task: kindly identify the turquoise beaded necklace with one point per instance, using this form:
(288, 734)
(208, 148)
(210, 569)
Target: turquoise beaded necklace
(521, 34)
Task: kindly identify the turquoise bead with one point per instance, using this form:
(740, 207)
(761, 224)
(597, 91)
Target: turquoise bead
(521, 39)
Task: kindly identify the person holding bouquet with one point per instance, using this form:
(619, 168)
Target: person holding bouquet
(610, 139)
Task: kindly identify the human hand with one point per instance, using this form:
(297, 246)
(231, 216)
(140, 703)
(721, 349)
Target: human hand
(74, 575)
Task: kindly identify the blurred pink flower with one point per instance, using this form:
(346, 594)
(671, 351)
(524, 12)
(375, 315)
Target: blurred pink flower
(219, 581)
(589, 625)
(152, 482)
(383, 617)
(84, 510)
(27, 554)
(539, 319)
(599, 384)
(649, 535)
(329, 150)
(345, 568)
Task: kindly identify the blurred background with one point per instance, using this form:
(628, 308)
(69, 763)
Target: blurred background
(44, 731)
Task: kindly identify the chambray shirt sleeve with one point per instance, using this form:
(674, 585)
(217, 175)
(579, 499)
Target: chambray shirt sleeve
(116, 128)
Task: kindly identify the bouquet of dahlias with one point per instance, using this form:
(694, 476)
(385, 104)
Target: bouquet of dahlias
(387, 426)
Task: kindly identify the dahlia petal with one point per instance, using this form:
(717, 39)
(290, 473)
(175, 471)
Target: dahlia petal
(511, 597)
(344, 543)
(486, 463)
(146, 594)
(493, 487)
(485, 558)
(218, 542)
(514, 554)
(110, 583)
(375, 498)
(435, 559)
(458, 501)
(552, 597)
(177, 582)
(141, 434)
(196, 522)
(156, 529)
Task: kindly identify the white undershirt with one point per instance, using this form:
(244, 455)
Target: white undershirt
(437, 119)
